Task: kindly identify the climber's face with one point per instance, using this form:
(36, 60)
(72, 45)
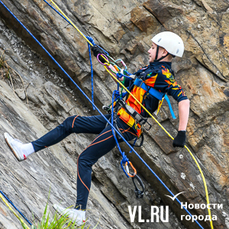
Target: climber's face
(153, 50)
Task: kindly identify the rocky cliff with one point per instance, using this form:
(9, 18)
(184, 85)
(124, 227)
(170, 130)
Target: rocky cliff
(36, 96)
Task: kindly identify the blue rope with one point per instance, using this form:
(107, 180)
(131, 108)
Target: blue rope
(92, 84)
(125, 159)
(15, 207)
(58, 13)
(133, 144)
(120, 75)
(72, 25)
(99, 111)
(107, 54)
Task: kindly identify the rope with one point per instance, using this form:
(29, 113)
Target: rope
(59, 11)
(68, 20)
(3, 199)
(125, 161)
(202, 175)
(92, 83)
(15, 207)
(99, 110)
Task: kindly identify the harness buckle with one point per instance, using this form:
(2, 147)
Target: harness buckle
(139, 119)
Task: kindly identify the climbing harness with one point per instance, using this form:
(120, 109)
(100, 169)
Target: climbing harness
(139, 191)
(125, 161)
(4, 198)
(155, 93)
(139, 119)
(109, 70)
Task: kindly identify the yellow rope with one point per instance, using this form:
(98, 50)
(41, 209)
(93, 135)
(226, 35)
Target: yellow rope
(202, 175)
(62, 13)
(3, 199)
(71, 22)
(205, 185)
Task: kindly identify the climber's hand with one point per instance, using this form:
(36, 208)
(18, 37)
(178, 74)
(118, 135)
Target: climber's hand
(179, 140)
(96, 51)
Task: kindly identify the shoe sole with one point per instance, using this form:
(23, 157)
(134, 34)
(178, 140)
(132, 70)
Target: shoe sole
(15, 154)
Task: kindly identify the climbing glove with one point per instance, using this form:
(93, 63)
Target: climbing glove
(97, 50)
(179, 140)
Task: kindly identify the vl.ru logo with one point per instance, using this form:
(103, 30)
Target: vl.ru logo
(175, 196)
(157, 214)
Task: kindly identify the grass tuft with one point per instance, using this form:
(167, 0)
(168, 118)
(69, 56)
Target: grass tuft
(55, 222)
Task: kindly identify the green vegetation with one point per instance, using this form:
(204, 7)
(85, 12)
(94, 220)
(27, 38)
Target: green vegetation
(53, 222)
(4, 67)
(10, 74)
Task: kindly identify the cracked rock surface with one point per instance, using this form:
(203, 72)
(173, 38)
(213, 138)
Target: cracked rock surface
(35, 96)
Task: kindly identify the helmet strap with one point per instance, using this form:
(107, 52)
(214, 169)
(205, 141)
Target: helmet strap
(156, 56)
(155, 60)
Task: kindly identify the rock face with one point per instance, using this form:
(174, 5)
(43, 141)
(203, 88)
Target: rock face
(36, 96)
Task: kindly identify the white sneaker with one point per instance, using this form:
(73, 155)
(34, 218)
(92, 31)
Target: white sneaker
(16, 147)
(77, 216)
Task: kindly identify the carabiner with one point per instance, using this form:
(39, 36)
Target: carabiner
(128, 171)
(105, 58)
(122, 62)
(139, 193)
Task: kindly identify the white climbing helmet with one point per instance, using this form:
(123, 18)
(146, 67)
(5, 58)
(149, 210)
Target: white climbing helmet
(170, 41)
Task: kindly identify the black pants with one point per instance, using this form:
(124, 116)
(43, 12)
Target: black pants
(101, 145)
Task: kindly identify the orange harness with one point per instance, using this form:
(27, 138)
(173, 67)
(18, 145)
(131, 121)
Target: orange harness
(125, 116)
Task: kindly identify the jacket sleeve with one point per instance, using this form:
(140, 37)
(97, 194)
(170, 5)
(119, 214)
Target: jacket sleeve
(177, 92)
(128, 81)
(166, 83)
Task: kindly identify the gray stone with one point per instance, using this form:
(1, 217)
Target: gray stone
(46, 97)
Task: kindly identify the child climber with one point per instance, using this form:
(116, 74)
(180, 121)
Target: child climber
(157, 75)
